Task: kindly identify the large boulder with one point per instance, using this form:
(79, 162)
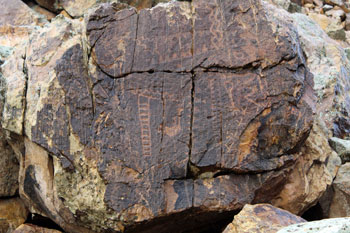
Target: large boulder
(326, 59)
(155, 120)
(261, 218)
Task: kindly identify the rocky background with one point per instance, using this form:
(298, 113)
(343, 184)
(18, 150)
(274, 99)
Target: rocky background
(174, 116)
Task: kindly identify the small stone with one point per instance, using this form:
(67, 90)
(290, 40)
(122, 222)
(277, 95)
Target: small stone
(337, 35)
(336, 12)
(261, 218)
(327, 7)
(293, 8)
(342, 147)
(347, 22)
(335, 2)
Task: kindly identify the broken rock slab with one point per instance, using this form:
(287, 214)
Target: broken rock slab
(261, 218)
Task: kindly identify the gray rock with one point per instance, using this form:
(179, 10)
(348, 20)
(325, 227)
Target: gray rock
(342, 147)
(327, 7)
(337, 225)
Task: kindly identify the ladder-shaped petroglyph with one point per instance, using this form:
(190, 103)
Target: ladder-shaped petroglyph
(144, 118)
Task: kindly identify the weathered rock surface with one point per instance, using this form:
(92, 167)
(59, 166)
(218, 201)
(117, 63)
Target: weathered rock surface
(312, 175)
(342, 147)
(16, 22)
(194, 110)
(12, 214)
(336, 225)
(340, 205)
(261, 218)
(318, 164)
(29, 228)
(9, 169)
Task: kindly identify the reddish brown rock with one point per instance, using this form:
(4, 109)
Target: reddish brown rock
(261, 218)
(29, 228)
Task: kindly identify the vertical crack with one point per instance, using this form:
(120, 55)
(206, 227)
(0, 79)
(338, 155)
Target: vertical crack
(25, 91)
(190, 144)
(189, 166)
(133, 53)
(163, 115)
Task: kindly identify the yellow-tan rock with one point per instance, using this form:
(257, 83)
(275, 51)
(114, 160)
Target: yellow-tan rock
(13, 213)
(261, 218)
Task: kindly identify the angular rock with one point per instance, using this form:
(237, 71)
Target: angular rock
(17, 13)
(16, 22)
(9, 169)
(318, 164)
(328, 64)
(183, 116)
(261, 218)
(12, 214)
(13, 82)
(29, 228)
(312, 175)
(336, 225)
(52, 5)
(77, 8)
(341, 199)
(342, 147)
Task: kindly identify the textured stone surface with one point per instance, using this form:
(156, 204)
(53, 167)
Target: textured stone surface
(317, 165)
(16, 22)
(312, 175)
(9, 169)
(341, 199)
(261, 218)
(29, 228)
(12, 214)
(181, 116)
(337, 225)
(342, 147)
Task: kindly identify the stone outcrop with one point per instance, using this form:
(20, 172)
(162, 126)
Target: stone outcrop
(178, 119)
(13, 213)
(336, 225)
(261, 218)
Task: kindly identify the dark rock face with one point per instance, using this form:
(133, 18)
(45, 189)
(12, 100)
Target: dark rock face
(186, 107)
